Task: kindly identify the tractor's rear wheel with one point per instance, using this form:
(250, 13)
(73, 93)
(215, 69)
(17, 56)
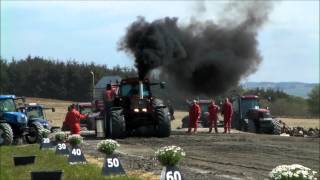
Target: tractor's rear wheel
(251, 126)
(116, 125)
(34, 134)
(6, 134)
(185, 122)
(244, 126)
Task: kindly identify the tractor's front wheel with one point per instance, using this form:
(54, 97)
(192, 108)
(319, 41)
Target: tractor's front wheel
(6, 134)
(116, 125)
(164, 124)
(34, 134)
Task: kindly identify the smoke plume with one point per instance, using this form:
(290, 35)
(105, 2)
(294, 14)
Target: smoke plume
(202, 57)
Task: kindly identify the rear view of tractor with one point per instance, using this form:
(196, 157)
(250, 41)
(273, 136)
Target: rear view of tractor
(249, 117)
(135, 111)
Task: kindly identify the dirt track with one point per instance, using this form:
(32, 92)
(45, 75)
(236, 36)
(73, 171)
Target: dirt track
(219, 156)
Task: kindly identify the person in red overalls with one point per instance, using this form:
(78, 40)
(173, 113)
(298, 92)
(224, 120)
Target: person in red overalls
(65, 125)
(213, 116)
(73, 119)
(227, 115)
(194, 116)
(109, 93)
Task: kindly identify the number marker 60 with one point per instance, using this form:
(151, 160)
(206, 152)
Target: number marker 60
(173, 175)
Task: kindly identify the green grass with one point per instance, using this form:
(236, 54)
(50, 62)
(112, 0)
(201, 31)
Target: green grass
(47, 160)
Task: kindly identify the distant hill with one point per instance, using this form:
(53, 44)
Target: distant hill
(292, 88)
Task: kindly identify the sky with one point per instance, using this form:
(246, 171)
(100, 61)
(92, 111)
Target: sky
(89, 31)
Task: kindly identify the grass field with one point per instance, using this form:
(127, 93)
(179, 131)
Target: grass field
(305, 123)
(56, 118)
(46, 161)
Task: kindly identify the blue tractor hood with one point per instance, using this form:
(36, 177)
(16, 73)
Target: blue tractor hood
(43, 122)
(15, 117)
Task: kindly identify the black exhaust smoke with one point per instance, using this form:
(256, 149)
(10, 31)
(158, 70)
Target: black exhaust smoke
(202, 57)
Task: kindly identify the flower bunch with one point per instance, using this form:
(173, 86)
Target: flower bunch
(169, 155)
(292, 172)
(75, 139)
(60, 136)
(45, 132)
(107, 146)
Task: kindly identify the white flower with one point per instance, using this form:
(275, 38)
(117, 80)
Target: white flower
(294, 171)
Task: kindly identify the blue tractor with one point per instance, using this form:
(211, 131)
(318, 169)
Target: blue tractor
(14, 124)
(36, 113)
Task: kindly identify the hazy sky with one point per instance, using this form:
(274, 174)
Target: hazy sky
(90, 31)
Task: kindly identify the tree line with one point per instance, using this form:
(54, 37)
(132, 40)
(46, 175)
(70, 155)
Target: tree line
(71, 80)
(39, 77)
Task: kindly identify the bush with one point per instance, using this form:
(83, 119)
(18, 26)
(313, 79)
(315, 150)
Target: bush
(107, 146)
(313, 101)
(60, 136)
(170, 155)
(75, 139)
(292, 172)
(45, 133)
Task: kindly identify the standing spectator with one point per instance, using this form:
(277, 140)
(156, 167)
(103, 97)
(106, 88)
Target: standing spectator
(65, 125)
(227, 115)
(73, 119)
(194, 116)
(213, 116)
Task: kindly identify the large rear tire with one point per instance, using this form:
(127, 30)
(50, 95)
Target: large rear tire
(185, 122)
(6, 134)
(116, 127)
(163, 127)
(251, 126)
(34, 135)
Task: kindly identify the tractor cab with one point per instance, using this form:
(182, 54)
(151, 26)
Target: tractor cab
(135, 96)
(36, 113)
(246, 103)
(9, 112)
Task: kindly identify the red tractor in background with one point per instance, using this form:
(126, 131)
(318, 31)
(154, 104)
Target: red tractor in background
(249, 117)
(134, 110)
(86, 108)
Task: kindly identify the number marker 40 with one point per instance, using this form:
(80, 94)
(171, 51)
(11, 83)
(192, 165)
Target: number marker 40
(76, 152)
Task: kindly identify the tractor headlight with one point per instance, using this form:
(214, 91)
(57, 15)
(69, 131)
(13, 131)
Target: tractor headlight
(144, 109)
(22, 119)
(136, 110)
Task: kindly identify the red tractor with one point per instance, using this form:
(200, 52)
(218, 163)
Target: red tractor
(249, 117)
(135, 110)
(86, 108)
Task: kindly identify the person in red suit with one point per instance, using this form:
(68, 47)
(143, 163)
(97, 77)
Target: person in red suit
(194, 116)
(213, 116)
(227, 115)
(73, 119)
(109, 93)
